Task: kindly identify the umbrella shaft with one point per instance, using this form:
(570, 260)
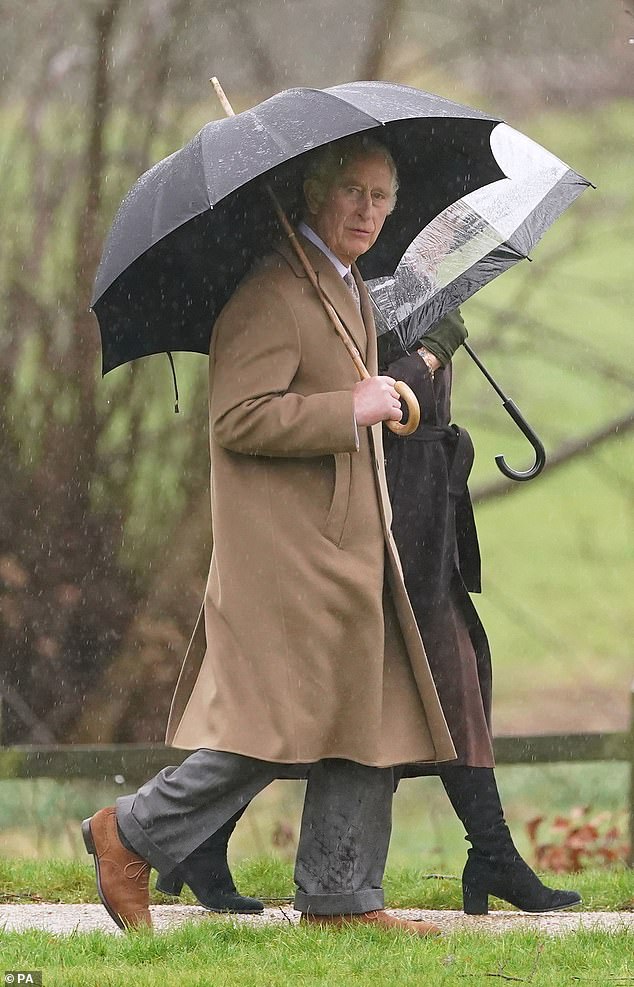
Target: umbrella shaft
(220, 93)
(511, 409)
(478, 362)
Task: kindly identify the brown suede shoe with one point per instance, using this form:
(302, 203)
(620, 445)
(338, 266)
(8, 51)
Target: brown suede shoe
(122, 876)
(381, 919)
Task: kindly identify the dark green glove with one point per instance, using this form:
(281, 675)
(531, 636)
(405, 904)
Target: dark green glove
(445, 337)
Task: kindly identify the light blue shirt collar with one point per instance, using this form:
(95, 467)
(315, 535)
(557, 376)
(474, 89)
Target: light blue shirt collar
(310, 234)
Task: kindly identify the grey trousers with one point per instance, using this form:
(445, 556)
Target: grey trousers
(345, 830)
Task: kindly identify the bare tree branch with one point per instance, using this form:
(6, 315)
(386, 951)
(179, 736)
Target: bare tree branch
(258, 54)
(152, 50)
(384, 25)
(579, 446)
(540, 329)
(87, 248)
(38, 730)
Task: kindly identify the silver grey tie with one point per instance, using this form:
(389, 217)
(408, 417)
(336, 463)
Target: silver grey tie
(352, 285)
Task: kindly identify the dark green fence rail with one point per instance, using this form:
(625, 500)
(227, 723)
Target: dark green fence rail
(131, 764)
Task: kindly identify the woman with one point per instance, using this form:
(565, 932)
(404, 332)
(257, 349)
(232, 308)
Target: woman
(435, 533)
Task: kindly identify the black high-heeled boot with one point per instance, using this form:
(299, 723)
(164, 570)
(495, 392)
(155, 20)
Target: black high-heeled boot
(207, 873)
(494, 866)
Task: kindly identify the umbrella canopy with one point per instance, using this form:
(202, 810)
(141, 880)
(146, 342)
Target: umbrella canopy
(193, 224)
(473, 240)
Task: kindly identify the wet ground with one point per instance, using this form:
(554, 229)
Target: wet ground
(67, 919)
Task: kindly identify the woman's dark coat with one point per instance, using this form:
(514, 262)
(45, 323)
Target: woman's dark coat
(434, 530)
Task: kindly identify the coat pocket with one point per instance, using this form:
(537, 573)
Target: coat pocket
(338, 512)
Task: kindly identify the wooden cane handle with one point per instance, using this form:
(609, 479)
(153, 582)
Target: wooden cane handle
(410, 400)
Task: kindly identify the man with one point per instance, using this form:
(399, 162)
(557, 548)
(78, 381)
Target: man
(307, 652)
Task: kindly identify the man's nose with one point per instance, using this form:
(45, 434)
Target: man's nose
(365, 203)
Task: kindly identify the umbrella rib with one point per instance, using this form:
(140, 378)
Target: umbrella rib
(285, 145)
(342, 99)
(469, 114)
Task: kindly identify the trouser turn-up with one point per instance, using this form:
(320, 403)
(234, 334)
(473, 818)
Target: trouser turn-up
(345, 830)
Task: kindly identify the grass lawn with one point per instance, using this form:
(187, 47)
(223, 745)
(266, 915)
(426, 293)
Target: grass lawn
(208, 955)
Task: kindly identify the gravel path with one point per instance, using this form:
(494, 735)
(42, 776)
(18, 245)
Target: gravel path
(67, 919)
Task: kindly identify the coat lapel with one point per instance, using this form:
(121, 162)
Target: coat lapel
(339, 295)
(336, 291)
(371, 353)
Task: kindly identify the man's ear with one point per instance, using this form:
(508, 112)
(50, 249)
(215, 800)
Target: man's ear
(313, 195)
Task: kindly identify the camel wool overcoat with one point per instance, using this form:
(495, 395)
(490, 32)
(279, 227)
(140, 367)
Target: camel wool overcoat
(306, 646)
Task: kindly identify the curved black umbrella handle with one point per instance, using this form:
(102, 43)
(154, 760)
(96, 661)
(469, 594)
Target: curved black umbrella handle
(540, 453)
(520, 421)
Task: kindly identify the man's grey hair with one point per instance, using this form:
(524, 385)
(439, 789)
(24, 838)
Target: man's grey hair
(326, 163)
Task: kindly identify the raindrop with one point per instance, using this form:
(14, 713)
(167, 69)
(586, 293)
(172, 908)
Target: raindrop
(119, 780)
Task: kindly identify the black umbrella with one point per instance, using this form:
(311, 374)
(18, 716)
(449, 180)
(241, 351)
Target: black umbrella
(193, 224)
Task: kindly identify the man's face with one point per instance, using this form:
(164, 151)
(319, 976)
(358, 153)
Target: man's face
(351, 216)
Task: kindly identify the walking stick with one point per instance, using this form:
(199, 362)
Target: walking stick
(404, 390)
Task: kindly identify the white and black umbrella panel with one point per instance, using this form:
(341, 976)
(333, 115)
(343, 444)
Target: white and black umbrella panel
(474, 239)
